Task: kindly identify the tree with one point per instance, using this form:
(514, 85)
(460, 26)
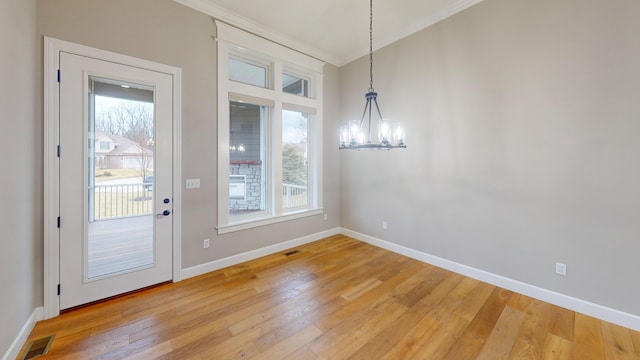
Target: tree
(130, 119)
(294, 169)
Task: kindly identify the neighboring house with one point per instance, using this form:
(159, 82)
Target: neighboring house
(116, 152)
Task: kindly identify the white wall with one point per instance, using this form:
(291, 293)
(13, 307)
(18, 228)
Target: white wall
(522, 123)
(21, 176)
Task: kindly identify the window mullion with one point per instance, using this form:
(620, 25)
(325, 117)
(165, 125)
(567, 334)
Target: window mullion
(223, 134)
(277, 141)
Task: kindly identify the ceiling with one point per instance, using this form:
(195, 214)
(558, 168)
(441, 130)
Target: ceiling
(335, 31)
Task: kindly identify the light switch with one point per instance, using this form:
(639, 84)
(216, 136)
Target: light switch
(193, 183)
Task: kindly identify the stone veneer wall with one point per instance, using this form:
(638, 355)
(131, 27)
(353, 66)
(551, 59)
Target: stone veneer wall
(252, 169)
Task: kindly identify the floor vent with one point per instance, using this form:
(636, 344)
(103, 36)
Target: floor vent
(292, 253)
(38, 348)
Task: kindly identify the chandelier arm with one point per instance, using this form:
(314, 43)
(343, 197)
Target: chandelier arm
(370, 105)
(375, 100)
(366, 105)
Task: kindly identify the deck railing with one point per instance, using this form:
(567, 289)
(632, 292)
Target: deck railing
(126, 200)
(122, 200)
(294, 196)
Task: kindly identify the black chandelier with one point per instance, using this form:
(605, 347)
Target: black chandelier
(356, 135)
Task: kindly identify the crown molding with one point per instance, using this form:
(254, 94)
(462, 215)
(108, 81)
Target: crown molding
(219, 13)
(209, 8)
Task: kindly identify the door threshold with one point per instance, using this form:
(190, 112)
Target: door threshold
(119, 296)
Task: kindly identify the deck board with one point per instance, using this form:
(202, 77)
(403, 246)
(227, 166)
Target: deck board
(119, 244)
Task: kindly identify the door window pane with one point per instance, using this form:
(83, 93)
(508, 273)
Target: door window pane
(120, 159)
(247, 148)
(295, 167)
(295, 85)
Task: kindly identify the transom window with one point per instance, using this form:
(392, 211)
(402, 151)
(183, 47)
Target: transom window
(244, 71)
(269, 132)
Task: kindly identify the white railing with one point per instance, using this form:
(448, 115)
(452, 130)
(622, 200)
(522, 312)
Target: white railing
(126, 200)
(117, 201)
(294, 196)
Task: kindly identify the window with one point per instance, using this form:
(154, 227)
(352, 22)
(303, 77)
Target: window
(269, 132)
(245, 72)
(294, 85)
(105, 145)
(247, 160)
(295, 170)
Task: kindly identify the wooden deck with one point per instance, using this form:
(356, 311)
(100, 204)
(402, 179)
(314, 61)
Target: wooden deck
(337, 298)
(120, 244)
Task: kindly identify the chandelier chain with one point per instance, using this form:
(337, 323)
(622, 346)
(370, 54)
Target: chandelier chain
(371, 46)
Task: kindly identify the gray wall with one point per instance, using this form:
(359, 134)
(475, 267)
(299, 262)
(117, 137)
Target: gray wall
(21, 177)
(166, 32)
(522, 123)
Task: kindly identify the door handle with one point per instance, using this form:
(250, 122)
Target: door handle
(164, 213)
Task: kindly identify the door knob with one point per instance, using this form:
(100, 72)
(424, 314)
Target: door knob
(164, 213)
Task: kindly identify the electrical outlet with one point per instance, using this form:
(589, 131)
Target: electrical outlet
(384, 225)
(193, 183)
(205, 243)
(561, 269)
(325, 217)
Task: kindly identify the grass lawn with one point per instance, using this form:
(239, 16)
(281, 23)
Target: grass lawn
(113, 174)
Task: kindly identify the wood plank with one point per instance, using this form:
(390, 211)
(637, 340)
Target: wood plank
(473, 338)
(290, 345)
(347, 343)
(557, 348)
(303, 353)
(533, 332)
(438, 344)
(503, 336)
(409, 344)
(618, 343)
(561, 322)
(588, 343)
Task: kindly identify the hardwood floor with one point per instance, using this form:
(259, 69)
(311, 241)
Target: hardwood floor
(337, 298)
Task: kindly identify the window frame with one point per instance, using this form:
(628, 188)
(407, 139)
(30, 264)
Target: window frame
(240, 45)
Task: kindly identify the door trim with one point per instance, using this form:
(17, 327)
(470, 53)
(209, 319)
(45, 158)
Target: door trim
(52, 49)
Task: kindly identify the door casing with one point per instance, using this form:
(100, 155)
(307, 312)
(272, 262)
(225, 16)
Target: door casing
(52, 49)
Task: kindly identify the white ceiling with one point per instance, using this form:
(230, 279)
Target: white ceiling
(335, 31)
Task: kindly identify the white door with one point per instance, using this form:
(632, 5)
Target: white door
(115, 179)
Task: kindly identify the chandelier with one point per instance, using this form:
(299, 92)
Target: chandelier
(357, 134)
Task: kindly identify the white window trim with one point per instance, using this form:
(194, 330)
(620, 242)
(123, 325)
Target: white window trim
(284, 59)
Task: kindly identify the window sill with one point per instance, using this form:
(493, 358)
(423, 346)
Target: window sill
(248, 224)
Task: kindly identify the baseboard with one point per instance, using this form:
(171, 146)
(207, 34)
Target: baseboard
(16, 345)
(254, 254)
(598, 311)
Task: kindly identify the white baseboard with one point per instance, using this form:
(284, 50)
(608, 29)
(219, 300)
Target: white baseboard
(254, 254)
(598, 311)
(16, 345)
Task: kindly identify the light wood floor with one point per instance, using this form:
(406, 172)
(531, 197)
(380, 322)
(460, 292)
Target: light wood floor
(337, 298)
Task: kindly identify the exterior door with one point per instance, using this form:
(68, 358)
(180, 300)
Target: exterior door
(115, 133)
